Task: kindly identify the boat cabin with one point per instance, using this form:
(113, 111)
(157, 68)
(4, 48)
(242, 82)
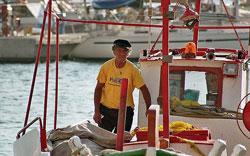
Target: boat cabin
(211, 80)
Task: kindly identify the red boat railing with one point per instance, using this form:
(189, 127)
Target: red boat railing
(42, 132)
(43, 129)
(35, 71)
(28, 125)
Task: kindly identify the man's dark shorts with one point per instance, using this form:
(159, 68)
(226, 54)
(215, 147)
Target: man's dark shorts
(110, 118)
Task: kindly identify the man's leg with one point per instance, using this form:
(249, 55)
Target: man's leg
(109, 119)
(129, 119)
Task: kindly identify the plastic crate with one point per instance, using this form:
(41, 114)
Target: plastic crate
(202, 135)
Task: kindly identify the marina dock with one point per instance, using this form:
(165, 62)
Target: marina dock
(23, 49)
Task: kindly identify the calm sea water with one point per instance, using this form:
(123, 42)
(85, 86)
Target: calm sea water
(76, 88)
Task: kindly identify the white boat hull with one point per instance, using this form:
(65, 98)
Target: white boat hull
(225, 129)
(184, 148)
(100, 46)
(234, 89)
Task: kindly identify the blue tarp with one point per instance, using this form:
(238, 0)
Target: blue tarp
(114, 4)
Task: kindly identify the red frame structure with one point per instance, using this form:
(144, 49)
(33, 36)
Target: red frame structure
(165, 52)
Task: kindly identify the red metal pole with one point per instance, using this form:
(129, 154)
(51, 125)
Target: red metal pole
(35, 71)
(165, 68)
(196, 29)
(122, 115)
(248, 48)
(43, 138)
(47, 68)
(153, 25)
(57, 69)
(209, 27)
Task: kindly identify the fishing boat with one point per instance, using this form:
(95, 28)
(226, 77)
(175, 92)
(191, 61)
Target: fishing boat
(202, 91)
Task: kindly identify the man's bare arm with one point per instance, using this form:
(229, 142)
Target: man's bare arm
(97, 99)
(146, 95)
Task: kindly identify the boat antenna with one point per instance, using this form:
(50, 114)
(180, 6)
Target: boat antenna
(87, 15)
(150, 12)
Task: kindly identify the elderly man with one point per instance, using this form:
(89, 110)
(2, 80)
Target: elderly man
(108, 88)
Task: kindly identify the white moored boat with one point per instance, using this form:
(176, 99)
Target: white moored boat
(98, 47)
(100, 41)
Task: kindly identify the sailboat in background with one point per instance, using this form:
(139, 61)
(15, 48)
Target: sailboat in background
(99, 44)
(21, 23)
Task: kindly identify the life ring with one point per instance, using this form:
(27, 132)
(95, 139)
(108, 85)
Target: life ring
(245, 116)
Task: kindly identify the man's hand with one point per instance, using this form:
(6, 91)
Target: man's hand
(97, 99)
(97, 117)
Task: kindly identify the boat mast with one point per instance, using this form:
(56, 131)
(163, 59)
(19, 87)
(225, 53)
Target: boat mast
(165, 67)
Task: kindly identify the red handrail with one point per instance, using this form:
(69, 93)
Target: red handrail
(28, 125)
(42, 134)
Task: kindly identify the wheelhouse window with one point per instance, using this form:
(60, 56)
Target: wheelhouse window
(194, 86)
(192, 89)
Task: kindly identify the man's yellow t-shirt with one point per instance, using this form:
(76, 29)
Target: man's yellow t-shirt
(111, 76)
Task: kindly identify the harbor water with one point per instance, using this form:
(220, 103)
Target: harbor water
(77, 82)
